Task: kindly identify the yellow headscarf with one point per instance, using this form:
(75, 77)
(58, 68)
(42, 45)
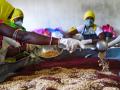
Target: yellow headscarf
(89, 13)
(17, 13)
(72, 29)
(5, 10)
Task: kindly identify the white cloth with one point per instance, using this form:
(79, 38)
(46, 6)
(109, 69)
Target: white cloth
(6, 42)
(11, 42)
(71, 44)
(3, 50)
(90, 31)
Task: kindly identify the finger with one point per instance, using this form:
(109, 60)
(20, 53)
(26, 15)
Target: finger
(74, 47)
(81, 45)
(71, 49)
(68, 46)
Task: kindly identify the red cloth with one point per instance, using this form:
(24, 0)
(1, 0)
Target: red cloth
(1, 38)
(72, 62)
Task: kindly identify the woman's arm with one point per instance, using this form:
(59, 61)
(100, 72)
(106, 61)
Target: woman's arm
(114, 42)
(26, 37)
(33, 38)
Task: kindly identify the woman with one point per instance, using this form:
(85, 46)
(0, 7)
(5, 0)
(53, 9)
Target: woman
(29, 37)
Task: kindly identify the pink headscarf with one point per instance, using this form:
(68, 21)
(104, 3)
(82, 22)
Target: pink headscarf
(108, 28)
(44, 32)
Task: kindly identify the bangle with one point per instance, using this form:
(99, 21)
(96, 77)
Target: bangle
(14, 36)
(59, 41)
(19, 49)
(50, 40)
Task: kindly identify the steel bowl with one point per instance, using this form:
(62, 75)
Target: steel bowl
(48, 51)
(102, 45)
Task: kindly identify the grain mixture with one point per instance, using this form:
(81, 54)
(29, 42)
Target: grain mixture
(61, 79)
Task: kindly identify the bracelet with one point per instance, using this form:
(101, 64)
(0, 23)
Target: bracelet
(59, 41)
(19, 49)
(50, 40)
(14, 36)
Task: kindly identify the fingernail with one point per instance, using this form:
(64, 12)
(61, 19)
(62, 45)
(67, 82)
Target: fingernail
(71, 51)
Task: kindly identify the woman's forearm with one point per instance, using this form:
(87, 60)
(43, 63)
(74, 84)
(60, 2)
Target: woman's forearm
(26, 37)
(33, 38)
